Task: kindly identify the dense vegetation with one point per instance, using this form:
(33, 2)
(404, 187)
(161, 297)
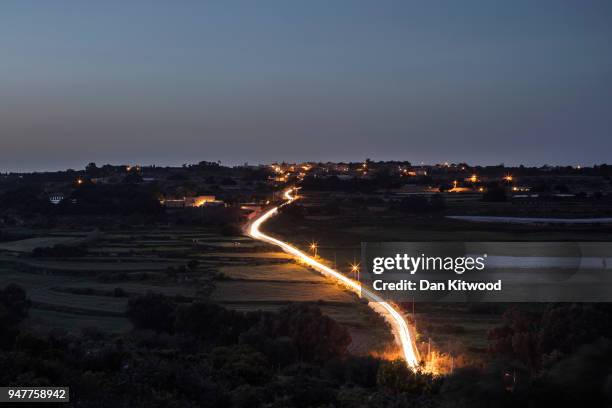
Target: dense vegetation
(188, 354)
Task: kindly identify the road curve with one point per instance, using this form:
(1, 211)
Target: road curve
(393, 316)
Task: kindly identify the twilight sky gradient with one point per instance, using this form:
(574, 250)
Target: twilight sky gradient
(170, 82)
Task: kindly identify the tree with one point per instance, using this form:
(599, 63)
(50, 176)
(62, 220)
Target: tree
(241, 365)
(583, 378)
(565, 327)
(396, 377)
(362, 371)
(14, 308)
(213, 323)
(559, 330)
(316, 337)
(152, 311)
(517, 337)
(16, 305)
(92, 170)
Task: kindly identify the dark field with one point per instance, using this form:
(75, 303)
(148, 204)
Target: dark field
(451, 329)
(92, 289)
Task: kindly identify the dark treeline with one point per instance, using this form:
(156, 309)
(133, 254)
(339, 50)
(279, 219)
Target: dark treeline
(119, 199)
(105, 205)
(382, 180)
(539, 339)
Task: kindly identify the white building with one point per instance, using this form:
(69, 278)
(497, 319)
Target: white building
(56, 198)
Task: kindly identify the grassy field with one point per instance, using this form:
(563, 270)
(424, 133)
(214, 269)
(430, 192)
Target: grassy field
(284, 292)
(285, 272)
(75, 293)
(27, 245)
(242, 274)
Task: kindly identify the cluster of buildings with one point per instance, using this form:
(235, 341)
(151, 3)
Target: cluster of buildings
(182, 187)
(191, 202)
(461, 179)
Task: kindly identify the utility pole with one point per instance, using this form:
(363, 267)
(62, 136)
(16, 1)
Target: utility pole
(429, 353)
(413, 314)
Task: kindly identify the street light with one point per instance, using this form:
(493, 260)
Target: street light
(355, 270)
(313, 248)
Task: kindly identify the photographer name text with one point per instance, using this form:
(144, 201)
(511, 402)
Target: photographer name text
(426, 285)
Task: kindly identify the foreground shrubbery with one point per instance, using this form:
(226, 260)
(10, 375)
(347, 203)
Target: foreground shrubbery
(186, 354)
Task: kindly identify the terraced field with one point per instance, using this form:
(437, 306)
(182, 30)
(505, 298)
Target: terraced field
(93, 289)
(27, 245)
(285, 272)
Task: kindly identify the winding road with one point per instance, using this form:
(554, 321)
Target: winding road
(398, 322)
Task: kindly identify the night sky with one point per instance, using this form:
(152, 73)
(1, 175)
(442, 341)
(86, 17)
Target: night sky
(172, 82)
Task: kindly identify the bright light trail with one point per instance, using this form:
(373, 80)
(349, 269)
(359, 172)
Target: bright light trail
(393, 316)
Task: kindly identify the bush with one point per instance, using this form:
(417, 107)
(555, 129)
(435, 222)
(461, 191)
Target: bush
(14, 307)
(152, 311)
(316, 337)
(395, 377)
